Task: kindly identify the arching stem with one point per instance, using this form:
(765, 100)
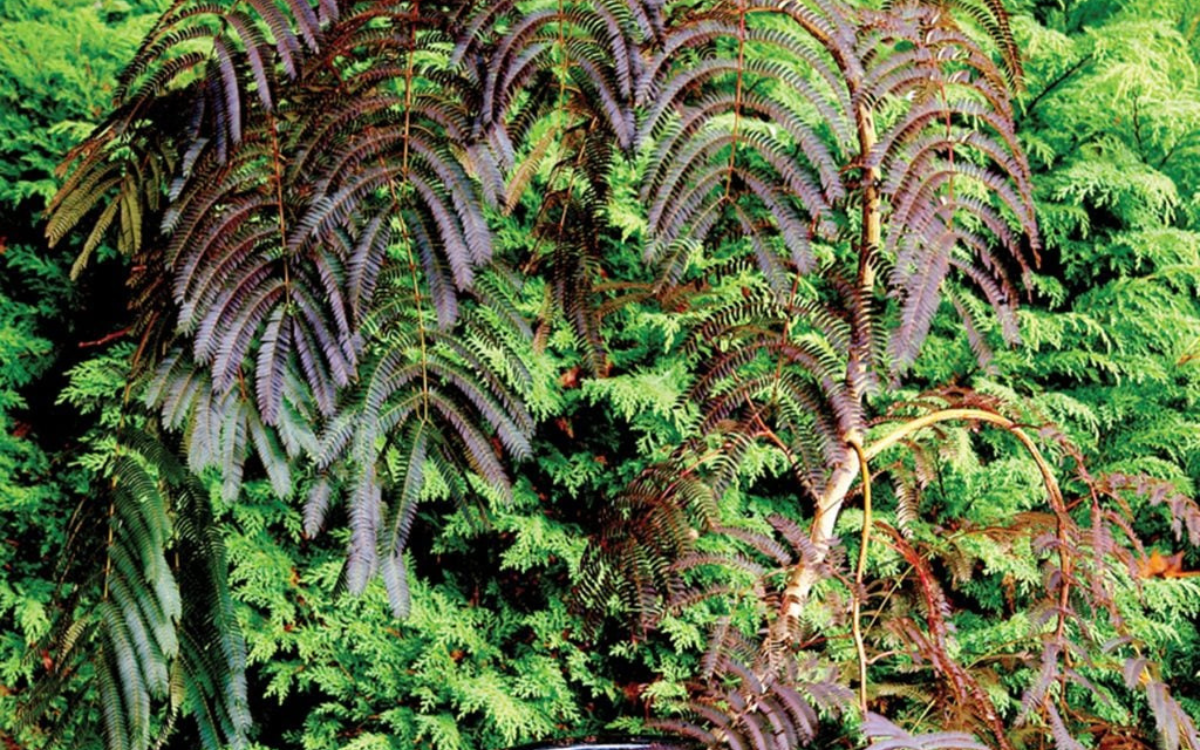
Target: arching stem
(803, 576)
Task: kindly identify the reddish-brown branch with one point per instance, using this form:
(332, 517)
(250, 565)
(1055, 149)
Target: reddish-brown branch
(107, 339)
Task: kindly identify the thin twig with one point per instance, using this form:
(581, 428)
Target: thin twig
(856, 600)
(106, 339)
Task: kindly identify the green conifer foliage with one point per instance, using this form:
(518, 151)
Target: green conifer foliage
(501, 371)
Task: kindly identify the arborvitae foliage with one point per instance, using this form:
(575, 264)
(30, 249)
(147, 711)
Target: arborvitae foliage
(379, 253)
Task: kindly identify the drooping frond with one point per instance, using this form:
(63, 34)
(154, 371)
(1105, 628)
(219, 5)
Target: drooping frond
(955, 184)
(577, 59)
(575, 269)
(885, 735)
(424, 395)
(773, 122)
(654, 523)
(991, 20)
(557, 85)
(749, 701)
(775, 371)
(223, 429)
(152, 612)
(736, 136)
(193, 77)
(261, 226)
